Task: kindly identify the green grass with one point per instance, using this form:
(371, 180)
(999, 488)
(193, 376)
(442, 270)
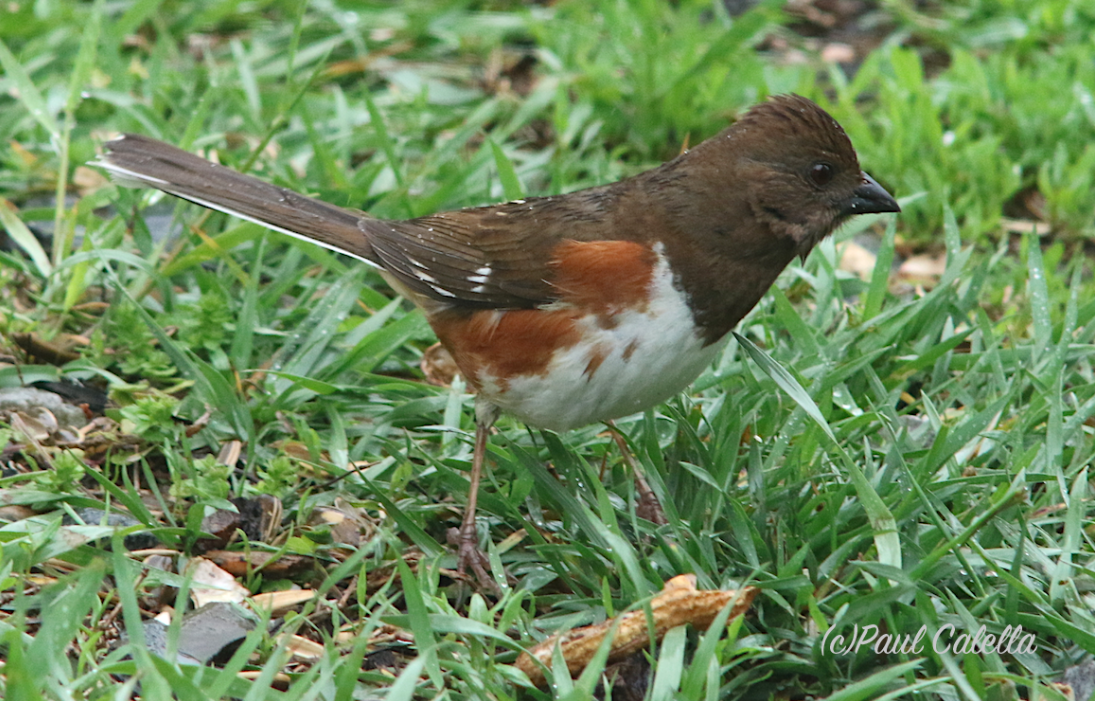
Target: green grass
(868, 454)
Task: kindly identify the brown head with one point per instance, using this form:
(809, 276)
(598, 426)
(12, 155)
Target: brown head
(804, 175)
(745, 202)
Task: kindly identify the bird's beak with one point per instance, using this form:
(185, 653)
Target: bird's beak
(870, 198)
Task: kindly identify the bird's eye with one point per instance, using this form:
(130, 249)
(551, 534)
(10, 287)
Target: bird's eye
(821, 174)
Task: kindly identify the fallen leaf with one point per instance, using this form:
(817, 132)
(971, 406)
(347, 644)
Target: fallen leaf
(923, 269)
(58, 351)
(281, 601)
(35, 427)
(88, 180)
(280, 681)
(230, 452)
(438, 366)
(212, 584)
(838, 52)
(857, 260)
(344, 526)
(1025, 226)
(303, 648)
(15, 512)
(240, 563)
(677, 604)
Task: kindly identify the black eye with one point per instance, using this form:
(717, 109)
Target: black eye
(821, 174)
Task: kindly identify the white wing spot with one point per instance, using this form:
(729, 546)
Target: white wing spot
(479, 289)
(482, 275)
(440, 290)
(425, 277)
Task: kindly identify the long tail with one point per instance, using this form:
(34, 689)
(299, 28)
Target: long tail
(139, 161)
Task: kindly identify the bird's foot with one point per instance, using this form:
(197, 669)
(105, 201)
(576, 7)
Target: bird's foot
(470, 556)
(648, 507)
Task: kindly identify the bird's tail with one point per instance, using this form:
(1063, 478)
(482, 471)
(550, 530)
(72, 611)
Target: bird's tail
(133, 160)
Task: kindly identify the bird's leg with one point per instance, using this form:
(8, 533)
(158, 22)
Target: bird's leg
(468, 543)
(648, 507)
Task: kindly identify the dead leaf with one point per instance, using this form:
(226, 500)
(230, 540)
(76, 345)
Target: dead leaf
(88, 180)
(923, 270)
(230, 452)
(15, 512)
(1025, 226)
(344, 521)
(26, 158)
(857, 260)
(838, 52)
(270, 520)
(213, 584)
(201, 422)
(56, 352)
(281, 601)
(222, 525)
(438, 366)
(280, 681)
(35, 427)
(303, 648)
(240, 563)
(677, 604)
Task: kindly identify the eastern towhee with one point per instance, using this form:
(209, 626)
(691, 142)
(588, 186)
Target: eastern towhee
(584, 307)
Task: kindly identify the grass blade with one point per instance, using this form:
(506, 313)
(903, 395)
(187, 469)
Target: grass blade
(670, 667)
(882, 521)
(880, 276)
(872, 685)
(19, 233)
(511, 185)
(28, 93)
(1039, 294)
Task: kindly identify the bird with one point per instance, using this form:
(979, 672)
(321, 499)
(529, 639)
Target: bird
(583, 307)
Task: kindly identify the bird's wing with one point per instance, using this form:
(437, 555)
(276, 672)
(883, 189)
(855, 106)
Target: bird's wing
(498, 257)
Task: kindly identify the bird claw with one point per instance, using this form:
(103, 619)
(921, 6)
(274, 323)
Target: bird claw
(469, 555)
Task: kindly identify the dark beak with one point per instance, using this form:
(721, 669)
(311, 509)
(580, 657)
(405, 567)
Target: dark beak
(870, 198)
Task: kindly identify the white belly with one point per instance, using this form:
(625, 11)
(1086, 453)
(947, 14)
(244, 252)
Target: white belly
(648, 356)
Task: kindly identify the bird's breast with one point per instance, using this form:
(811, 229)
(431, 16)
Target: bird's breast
(588, 358)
